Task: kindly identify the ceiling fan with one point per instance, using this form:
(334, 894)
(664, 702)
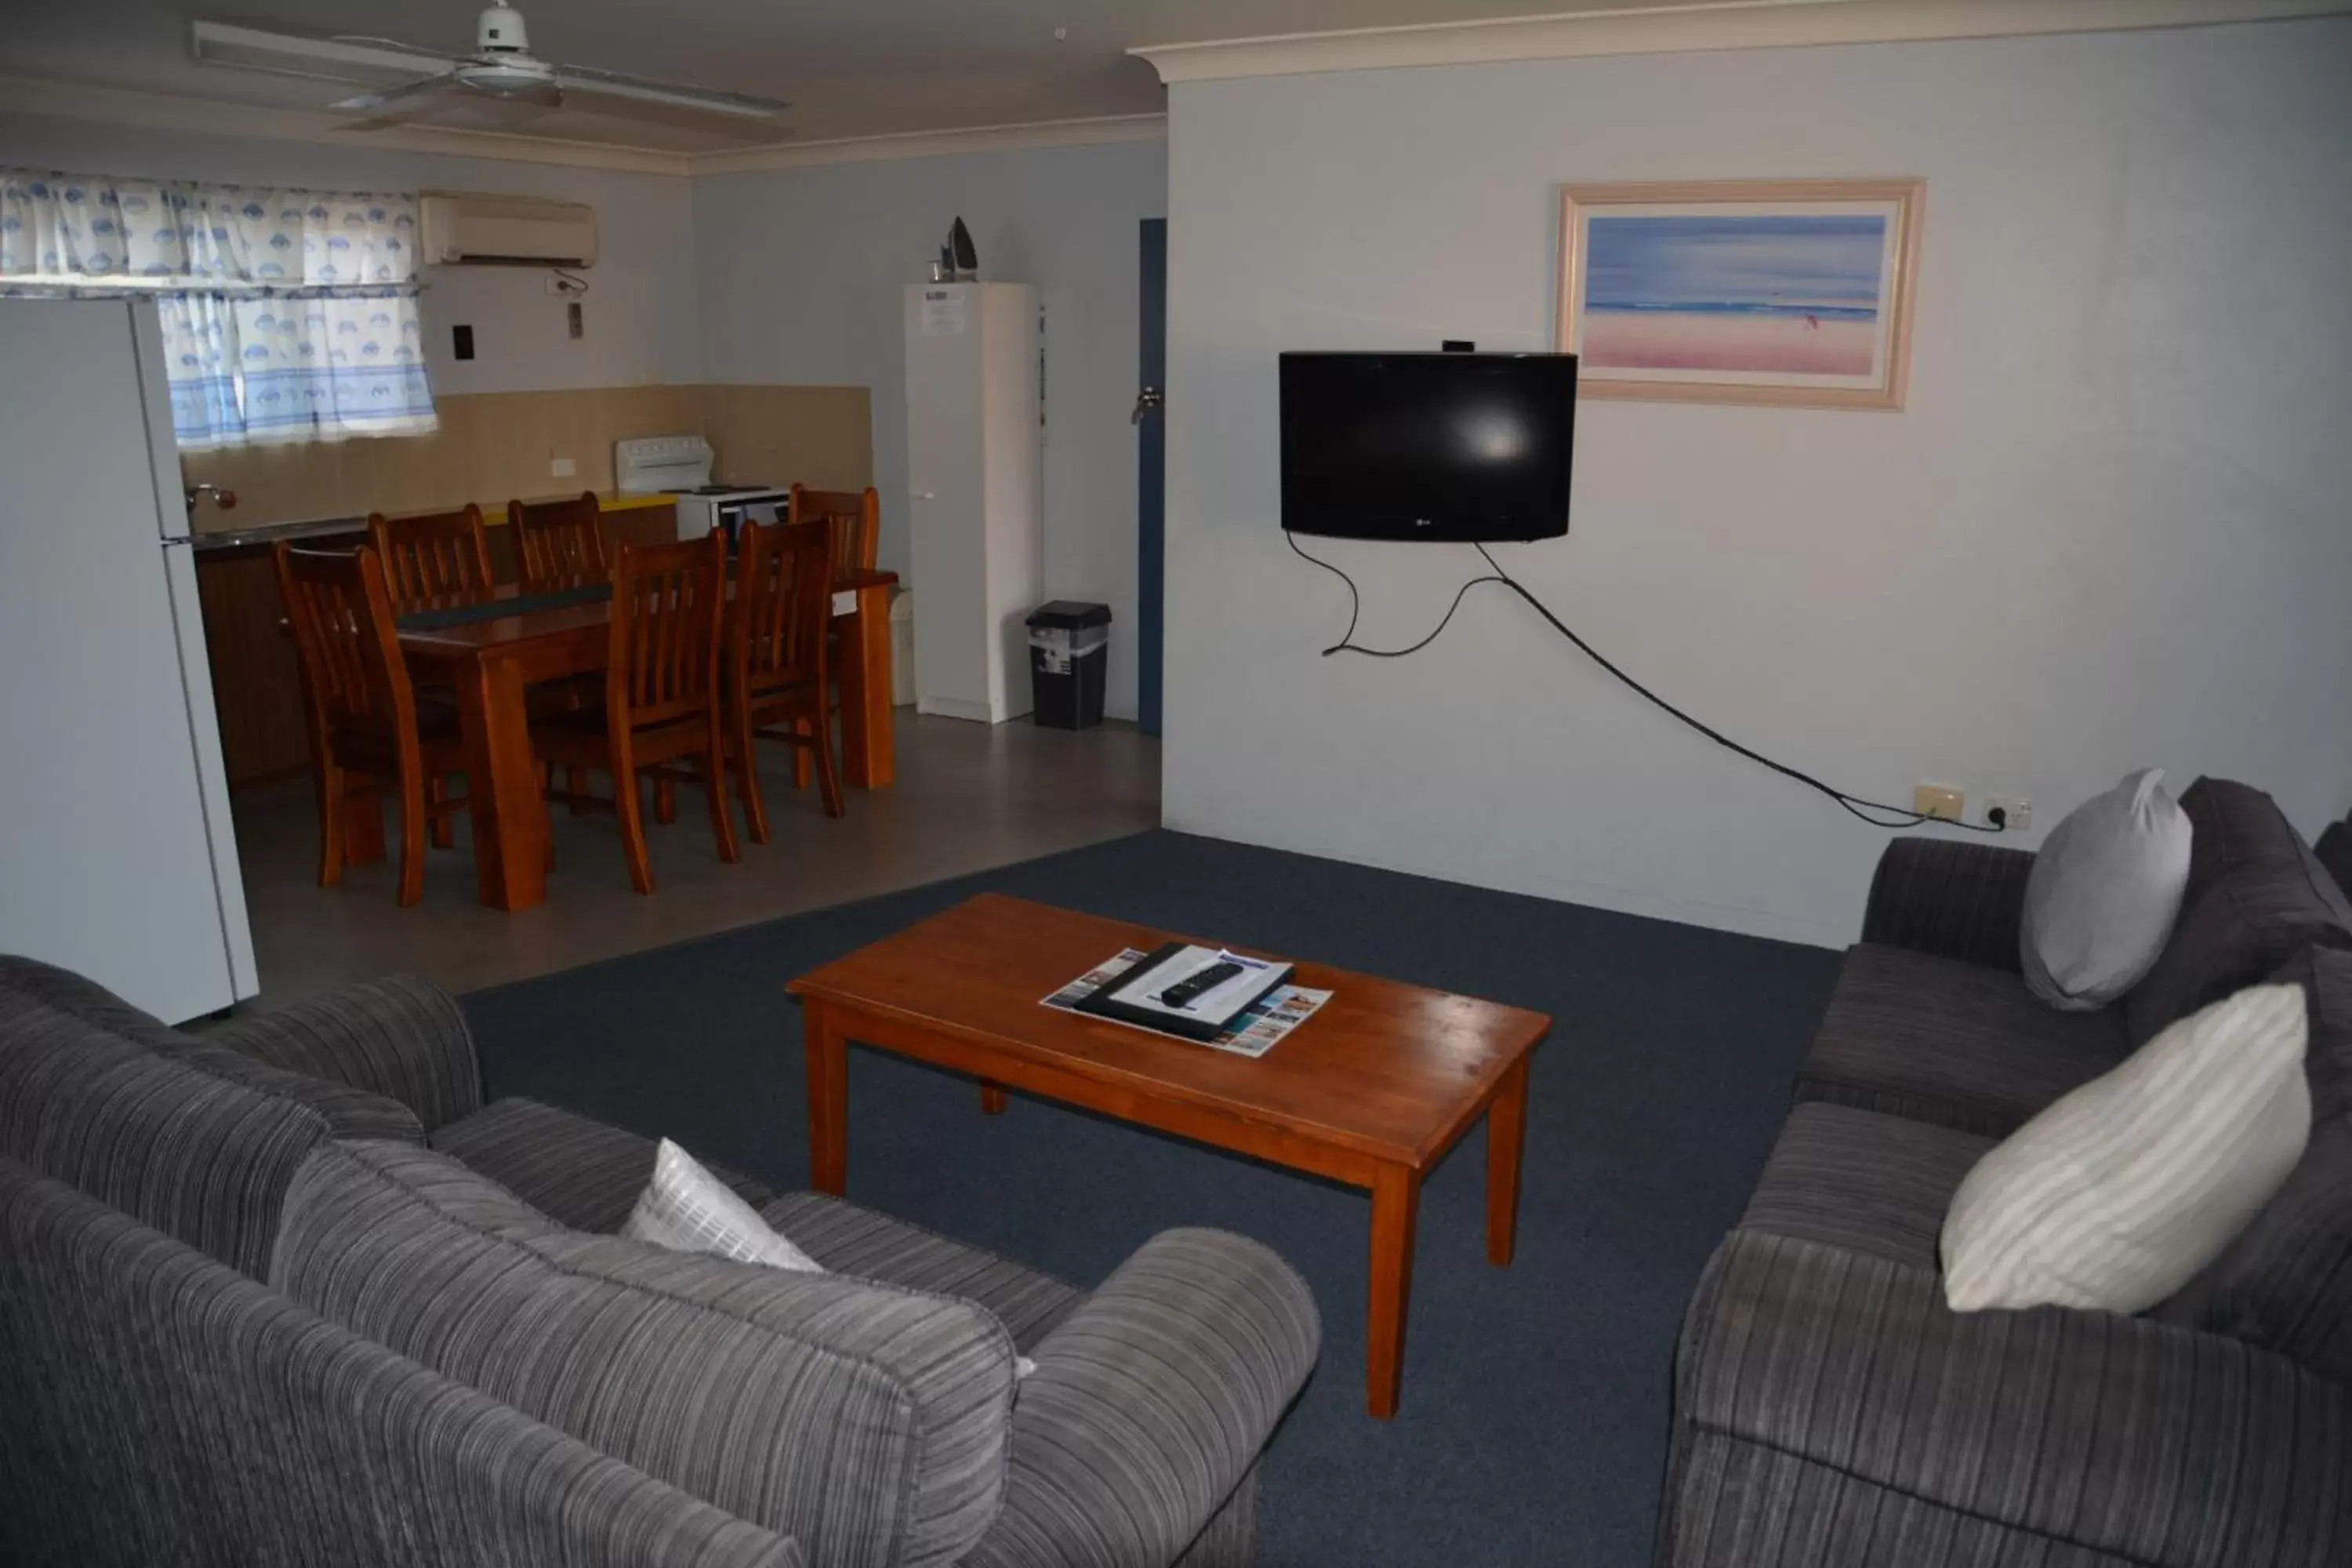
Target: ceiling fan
(501, 67)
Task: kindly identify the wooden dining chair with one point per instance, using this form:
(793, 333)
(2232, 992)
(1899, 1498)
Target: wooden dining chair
(560, 544)
(366, 724)
(857, 519)
(857, 514)
(777, 685)
(661, 710)
(433, 560)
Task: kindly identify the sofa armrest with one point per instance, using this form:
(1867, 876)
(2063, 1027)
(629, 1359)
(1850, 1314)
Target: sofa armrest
(398, 1036)
(1950, 899)
(1151, 1403)
(2145, 1441)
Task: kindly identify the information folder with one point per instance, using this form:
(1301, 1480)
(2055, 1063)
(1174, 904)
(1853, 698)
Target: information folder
(1141, 995)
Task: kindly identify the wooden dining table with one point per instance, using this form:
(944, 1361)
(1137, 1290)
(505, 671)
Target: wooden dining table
(492, 661)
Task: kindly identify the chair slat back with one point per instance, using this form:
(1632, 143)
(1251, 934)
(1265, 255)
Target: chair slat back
(342, 617)
(783, 600)
(858, 515)
(668, 603)
(434, 560)
(560, 542)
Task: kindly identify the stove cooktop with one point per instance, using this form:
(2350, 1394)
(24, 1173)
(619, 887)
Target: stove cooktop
(725, 491)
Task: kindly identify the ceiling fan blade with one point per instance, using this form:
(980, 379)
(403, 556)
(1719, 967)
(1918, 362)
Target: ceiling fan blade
(704, 100)
(396, 97)
(292, 54)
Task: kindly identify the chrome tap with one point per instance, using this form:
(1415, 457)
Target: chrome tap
(221, 497)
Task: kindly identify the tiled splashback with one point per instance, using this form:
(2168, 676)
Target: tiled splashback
(492, 445)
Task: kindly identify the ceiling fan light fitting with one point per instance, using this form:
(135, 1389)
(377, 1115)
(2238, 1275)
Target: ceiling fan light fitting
(499, 30)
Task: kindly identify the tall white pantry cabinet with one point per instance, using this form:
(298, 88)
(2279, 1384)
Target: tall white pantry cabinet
(974, 487)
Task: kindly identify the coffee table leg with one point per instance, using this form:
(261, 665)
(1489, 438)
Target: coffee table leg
(827, 1050)
(1506, 1134)
(991, 1098)
(1396, 1199)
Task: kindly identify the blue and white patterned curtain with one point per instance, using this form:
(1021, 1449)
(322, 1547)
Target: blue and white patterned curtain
(288, 315)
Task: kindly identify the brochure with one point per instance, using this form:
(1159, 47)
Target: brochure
(1251, 1034)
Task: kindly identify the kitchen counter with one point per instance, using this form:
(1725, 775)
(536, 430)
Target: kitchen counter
(321, 527)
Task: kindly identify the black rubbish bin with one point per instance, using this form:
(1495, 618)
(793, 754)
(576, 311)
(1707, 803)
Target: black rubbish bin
(1069, 648)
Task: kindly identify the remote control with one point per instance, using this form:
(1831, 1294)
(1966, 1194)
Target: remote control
(1182, 993)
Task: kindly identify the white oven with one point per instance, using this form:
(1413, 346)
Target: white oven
(725, 510)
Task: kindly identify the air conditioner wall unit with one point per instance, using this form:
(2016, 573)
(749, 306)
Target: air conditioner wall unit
(514, 231)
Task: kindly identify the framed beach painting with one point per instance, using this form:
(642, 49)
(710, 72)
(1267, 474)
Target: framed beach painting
(1790, 291)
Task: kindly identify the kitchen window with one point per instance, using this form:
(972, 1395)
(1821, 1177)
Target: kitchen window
(288, 315)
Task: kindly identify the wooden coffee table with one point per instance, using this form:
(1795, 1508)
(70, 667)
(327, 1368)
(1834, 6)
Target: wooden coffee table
(1370, 1091)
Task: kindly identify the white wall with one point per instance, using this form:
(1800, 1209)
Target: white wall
(2111, 528)
(801, 275)
(640, 317)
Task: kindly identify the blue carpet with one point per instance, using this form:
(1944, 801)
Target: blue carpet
(1534, 1401)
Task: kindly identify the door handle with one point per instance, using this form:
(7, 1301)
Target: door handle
(927, 495)
(1145, 402)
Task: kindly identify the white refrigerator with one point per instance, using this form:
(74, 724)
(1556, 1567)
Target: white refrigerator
(975, 486)
(117, 858)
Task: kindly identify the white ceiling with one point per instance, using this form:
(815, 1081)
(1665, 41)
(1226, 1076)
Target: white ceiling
(850, 68)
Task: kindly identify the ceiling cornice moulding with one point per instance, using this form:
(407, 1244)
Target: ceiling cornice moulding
(157, 111)
(1714, 25)
(939, 144)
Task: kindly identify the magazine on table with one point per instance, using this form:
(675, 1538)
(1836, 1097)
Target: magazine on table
(1252, 1033)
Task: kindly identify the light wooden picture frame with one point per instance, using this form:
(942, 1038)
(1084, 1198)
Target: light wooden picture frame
(1774, 291)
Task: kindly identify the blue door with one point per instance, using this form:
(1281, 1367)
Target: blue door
(1150, 471)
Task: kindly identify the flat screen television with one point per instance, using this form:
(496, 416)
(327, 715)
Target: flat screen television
(1427, 446)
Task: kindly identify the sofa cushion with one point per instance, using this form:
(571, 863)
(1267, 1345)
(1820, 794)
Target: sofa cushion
(578, 1173)
(2271, 901)
(201, 1158)
(2232, 826)
(2334, 852)
(2286, 1282)
(869, 1423)
(1955, 1044)
(1863, 1180)
(849, 1240)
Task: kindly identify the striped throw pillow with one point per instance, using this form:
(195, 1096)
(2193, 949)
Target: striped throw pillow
(687, 1209)
(2119, 1193)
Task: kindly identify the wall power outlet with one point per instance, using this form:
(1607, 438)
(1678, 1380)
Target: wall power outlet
(561, 467)
(2009, 813)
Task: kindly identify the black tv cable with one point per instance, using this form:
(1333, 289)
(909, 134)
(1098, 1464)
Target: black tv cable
(1853, 806)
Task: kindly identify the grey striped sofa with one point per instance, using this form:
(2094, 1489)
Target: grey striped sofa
(1830, 1410)
(2334, 849)
(288, 1292)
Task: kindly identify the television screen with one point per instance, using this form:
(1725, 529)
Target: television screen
(1427, 446)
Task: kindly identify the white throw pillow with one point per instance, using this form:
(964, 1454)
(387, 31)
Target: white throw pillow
(2103, 894)
(2119, 1193)
(687, 1209)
